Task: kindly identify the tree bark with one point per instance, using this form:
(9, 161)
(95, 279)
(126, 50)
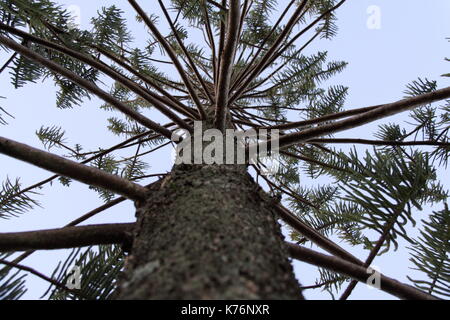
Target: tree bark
(208, 232)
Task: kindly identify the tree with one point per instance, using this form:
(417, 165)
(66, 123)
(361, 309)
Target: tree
(209, 230)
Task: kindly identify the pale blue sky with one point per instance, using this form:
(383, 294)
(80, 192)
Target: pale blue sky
(410, 43)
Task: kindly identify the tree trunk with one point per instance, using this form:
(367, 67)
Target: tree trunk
(208, 233)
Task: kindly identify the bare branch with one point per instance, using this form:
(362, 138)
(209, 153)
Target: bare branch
(170, 99)
(71, 169)
(261, 46)
(90, 214)
(8, 62)
(261, 64)
(381, 142)
(226, 64)
(69, 237)
(218, 5)
(186, 53)
(221, 45)
(377, 113)
(328, 117)
(389, 285)
(212, 44)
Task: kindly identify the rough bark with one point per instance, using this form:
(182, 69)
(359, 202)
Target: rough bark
(208, 232)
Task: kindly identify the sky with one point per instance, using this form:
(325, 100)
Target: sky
(387, 44)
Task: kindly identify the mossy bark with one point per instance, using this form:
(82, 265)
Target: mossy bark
(208, 232)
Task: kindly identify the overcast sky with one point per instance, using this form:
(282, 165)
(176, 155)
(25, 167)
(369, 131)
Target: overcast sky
(387, 44)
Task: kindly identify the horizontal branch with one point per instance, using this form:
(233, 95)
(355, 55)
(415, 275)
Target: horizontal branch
(68, 237)
(96, 156)
(389, 285)
(380, 112)
(381, 142)
(313, 161)
(329, 117)
(71, 169)
(86, 84)
(90, 214)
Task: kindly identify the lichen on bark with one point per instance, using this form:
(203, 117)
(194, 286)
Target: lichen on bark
(208, 232)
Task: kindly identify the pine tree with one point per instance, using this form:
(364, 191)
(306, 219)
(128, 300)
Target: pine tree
(204, 230)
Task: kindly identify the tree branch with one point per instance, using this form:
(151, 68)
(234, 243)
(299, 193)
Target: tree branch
(261, 46)
(154, 99)
(226, 64)
(329, 117)
(186, 53)
(71, 169)
(89, 215)
(172, 55)
(375, 250)
(392, 286)
(377, 113)
(6, 64)
(88, 85)
(298, 35)
(314, 236)
(169, 98)
(381, 142)
(68, 237)
(212, 44)
(218, 5)
(261, 64)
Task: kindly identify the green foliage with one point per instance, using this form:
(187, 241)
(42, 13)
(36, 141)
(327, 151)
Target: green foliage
(99, 269)
(328, 102)
(51, 136)
(25, 70)
(388, 188)
(110, 30)
(430, 254)
(331, 281)
(380, 192)
(419, 86)
(13, 201)
(109, 164)
(2, 120)
(328, 26)
(12, 283)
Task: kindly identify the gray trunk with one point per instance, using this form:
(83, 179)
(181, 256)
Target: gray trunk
(207, 232)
